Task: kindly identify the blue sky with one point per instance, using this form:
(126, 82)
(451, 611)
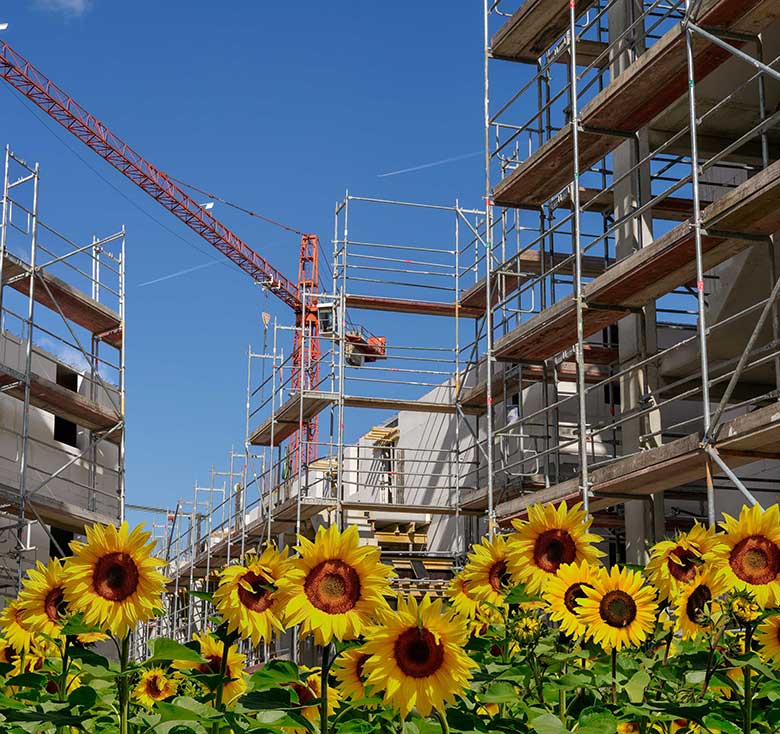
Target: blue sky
(278, 106)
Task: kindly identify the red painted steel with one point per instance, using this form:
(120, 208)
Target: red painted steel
(34, 85)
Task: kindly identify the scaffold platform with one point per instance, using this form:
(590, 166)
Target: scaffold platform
(60, 401)
(76, 306)
(631, 101)
(750, 437)
(731, 225)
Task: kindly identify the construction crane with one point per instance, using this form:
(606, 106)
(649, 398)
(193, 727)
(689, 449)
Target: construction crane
(34, 85)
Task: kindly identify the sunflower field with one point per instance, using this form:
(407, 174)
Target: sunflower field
(536, 636)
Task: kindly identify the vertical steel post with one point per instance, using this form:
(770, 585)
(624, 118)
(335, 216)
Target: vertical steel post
(577, 244)
(27, 371)
(491, 510)
(702, 326)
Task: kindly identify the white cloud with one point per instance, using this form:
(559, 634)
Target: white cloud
(68, 7)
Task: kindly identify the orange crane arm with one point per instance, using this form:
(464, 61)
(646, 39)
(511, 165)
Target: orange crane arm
(22, 75)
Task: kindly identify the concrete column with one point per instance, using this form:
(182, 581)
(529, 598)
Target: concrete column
(636, 332)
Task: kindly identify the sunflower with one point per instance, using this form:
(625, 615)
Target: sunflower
(618, 609)
(112, 579)
(155, 685)
(336, 587)
(348, 671)
(42, 598)
(743, 607)
(17, 632)
(461, 598)
(211, 649)
(768, 634)
(548, 539)
(674, 563)
(417, 656)
(90, 638)
(309, 692)
(751, 553)
(8, 653)
(563, 592)
(485, 575)
(695, 602)
(247, 597)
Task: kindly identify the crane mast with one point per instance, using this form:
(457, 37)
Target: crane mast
(56, 103)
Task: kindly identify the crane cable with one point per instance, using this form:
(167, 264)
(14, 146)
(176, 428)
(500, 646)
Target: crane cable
(236, 206)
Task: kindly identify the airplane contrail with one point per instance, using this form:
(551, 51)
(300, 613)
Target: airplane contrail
(430, 165)
(178, 273)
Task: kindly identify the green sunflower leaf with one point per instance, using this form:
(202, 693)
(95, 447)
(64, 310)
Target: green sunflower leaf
(164, 649)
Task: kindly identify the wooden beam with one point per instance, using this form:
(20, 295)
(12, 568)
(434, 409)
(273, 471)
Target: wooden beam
(631, 101)
(533, 28)
(752, 208)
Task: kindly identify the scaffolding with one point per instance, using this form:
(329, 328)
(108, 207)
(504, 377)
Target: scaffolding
(597, 334)
(625, 212)
(62, 379)
(402, 479)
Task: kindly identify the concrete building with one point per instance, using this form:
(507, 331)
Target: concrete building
(61, 380)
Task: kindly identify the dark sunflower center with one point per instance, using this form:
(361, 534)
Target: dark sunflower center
(498, 578)
(9, 655)
(52, 686)
(259, 599)
(553, 548)
(417, 653)
(694, 608)
(360, 665)
(54, 604)
(617, 608)
(333, 586)
(213, 666)
(153, 687)
(572, 595)
(304, 693)
(682, 564)
(756, 560)
(115, 576)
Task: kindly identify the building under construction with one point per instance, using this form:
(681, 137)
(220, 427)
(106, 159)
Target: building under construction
(604, 331)
(602, 328)
(61, 379)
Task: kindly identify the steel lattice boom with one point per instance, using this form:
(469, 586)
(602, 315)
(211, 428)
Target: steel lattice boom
(22, 75)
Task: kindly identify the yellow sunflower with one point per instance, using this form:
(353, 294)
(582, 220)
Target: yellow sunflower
(211, 649)
(348, 671)
(8, 653)
(768, 635)
(618, 609)
(90, 638)
(336, 587)
(247, 597)
(696, 601)
(461, 598)
(155, 685)
(674, 563)
(486, 576)
(417, 657)
(548, 539)
(112, 579)
(562, 593)
(42, 598)
(751, 553)
(13, 622)
(309, 692)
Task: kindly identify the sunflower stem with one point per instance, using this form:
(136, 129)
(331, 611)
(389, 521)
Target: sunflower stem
(324, 689)
(614, 676)
(445, 729)
(122, 685)
(221, 685)
(746, 671)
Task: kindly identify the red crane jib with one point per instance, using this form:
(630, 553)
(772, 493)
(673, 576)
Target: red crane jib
(22, 75)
